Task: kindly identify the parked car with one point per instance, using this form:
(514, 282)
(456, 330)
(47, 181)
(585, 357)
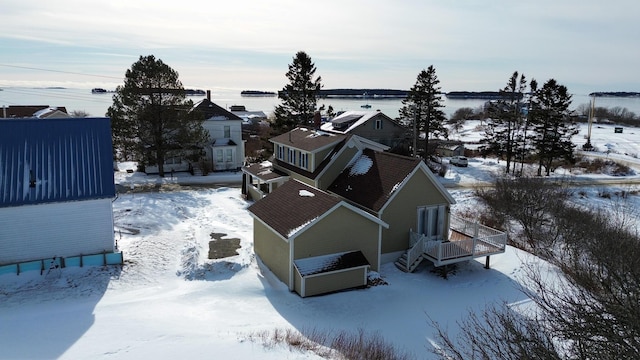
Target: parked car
(459, 161)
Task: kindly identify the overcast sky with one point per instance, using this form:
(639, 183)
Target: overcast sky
(587, 45)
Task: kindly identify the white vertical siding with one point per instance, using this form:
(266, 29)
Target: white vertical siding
(32, 232)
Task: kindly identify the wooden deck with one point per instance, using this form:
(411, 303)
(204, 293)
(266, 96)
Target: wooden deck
(467, 240)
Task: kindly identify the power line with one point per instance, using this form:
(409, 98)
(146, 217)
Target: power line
(60, 71)
(79, 97)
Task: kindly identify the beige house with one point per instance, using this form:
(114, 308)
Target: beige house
(317, 243)
(349, 199)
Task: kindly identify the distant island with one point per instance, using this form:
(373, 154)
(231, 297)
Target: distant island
(257, 93)
(188, 92)
(385, 94)
(615, 94)
(364, 93)
(358, 93)
(482, 95)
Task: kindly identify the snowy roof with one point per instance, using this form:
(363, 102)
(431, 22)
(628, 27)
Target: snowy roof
(264, 171)
(331, 262)
(290, 207)
(23, 111)
(350, 120)
(372, 177)
(308, 139)
(214, 112)
(54, 160)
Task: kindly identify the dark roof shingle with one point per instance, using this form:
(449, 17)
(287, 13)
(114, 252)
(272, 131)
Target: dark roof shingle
(332, 262)
(291, 206)
(307, 139)
(372, 178)
(212, 110)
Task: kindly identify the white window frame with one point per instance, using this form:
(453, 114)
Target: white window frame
(219, 156)
(229, 155)
(280, 149)
(431, 221)
(378, 125)
(303, 160)
(292, 156)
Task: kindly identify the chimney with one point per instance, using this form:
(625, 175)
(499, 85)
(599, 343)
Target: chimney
(317, 120)
(209, 95)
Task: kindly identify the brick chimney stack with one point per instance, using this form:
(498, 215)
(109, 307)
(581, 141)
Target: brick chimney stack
(317, 120)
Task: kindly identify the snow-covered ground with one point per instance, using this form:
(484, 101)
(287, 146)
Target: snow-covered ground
(170, 301)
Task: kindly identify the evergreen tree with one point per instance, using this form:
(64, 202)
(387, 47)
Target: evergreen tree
(299, 96)
(552, 126)
(504, 128)
(151, 118)
(422, 109)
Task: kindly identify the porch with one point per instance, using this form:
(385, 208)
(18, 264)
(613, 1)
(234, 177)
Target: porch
(467, 241)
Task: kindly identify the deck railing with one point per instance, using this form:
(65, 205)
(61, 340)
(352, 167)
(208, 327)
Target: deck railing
(482, 241)
(417, 248)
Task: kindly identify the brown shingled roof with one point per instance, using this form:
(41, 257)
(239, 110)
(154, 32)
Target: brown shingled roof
(212, 110)
(374, 188)
(264, 171)
(291, 206)
(307, 139)
(331, 262)
(24, 111)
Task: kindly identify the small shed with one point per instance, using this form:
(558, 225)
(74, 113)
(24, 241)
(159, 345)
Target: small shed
(448, 150)
(330, 273)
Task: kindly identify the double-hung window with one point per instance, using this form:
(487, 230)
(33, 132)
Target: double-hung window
(303, 160)
(280, 152)
(292, 156)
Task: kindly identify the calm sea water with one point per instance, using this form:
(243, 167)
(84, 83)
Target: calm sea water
(97, 104)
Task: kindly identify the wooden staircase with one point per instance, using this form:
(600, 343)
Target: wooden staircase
(401, 263)
(411, 258)
(197, 170)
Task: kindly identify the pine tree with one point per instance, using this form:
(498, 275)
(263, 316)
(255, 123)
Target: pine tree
(151, 118)
(422, 109)
(552, 126)
(299, 96)
(504, 128)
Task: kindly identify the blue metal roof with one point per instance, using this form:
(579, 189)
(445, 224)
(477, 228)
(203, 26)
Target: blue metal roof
(55, 160)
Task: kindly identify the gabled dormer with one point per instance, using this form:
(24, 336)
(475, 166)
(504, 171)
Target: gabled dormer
(303, 150)
(372, 125)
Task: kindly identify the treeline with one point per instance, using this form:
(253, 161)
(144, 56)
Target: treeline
(588, 308)
(616, 115)
(615, 94)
